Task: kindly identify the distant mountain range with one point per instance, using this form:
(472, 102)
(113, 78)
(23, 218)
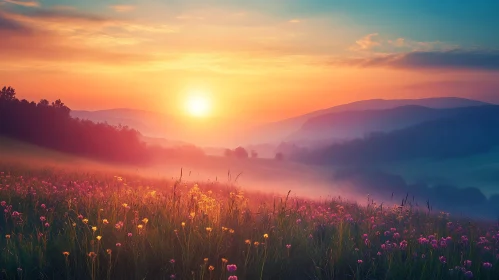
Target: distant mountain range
(323, 126)
(459, 132)
(289, 129)
(357, 124)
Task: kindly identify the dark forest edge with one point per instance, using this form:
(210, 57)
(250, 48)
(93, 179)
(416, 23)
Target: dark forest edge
(50, 125)
(469, 131)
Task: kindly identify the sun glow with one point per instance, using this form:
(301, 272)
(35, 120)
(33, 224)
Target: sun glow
(198, 105)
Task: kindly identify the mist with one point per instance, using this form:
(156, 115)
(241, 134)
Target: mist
(354, 184)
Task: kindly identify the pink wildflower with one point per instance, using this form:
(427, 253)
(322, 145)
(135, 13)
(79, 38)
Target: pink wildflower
(487, 265)
(231, 267)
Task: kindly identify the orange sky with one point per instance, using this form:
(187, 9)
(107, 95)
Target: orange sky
(253, 64)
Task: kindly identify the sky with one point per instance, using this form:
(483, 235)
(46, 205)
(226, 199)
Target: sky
(258, 60)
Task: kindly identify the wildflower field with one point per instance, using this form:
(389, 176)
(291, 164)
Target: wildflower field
(59, 224)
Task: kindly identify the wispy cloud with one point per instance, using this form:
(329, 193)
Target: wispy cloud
(8, 25)
(411, 45)
(375, 43)
(122, 8)
(62, 15)
(455, 59)
(294, 21)
(23, 3)
(366, 43)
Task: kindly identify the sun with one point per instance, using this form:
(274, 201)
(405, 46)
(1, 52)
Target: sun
(198, 105)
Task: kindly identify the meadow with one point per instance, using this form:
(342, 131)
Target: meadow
(63, 224)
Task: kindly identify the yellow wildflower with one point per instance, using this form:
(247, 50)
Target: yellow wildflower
(7, 236)
(99, 237)
(247, 241)
(105, 221)
(140, 226)
(265, 236)
(109, 251)
(145, 220)
(65, 254)
(94, 229)
(209, 229)
(183, 224)
(211, 268)
(224, 260)
(85, 221)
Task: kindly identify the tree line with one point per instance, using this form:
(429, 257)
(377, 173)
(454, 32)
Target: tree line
(49, 124)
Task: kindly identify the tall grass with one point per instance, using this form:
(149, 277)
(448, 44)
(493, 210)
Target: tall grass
(63, 225)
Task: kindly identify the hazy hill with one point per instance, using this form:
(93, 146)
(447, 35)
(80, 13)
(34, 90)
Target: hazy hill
(473, 130)
(278, 131)
(224, 133)
(148, 123)
(357, 124)
(200, 132)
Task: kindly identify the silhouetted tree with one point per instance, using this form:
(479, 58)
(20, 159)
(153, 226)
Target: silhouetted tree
(8, 94)
(53, 127)
(44, 102)
(240, 152)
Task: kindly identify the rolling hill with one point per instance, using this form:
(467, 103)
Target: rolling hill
(473, 130)
(278, 131)
(356, 124)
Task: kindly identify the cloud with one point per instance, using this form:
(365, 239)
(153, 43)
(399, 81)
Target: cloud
(455, 59)
(7, 24)
(385, 45)
(399, 42)
(63, 36)
(63, 14)
(294, 21)
(411, 45)
(366, 43)
(23, 3)
(122, 8)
